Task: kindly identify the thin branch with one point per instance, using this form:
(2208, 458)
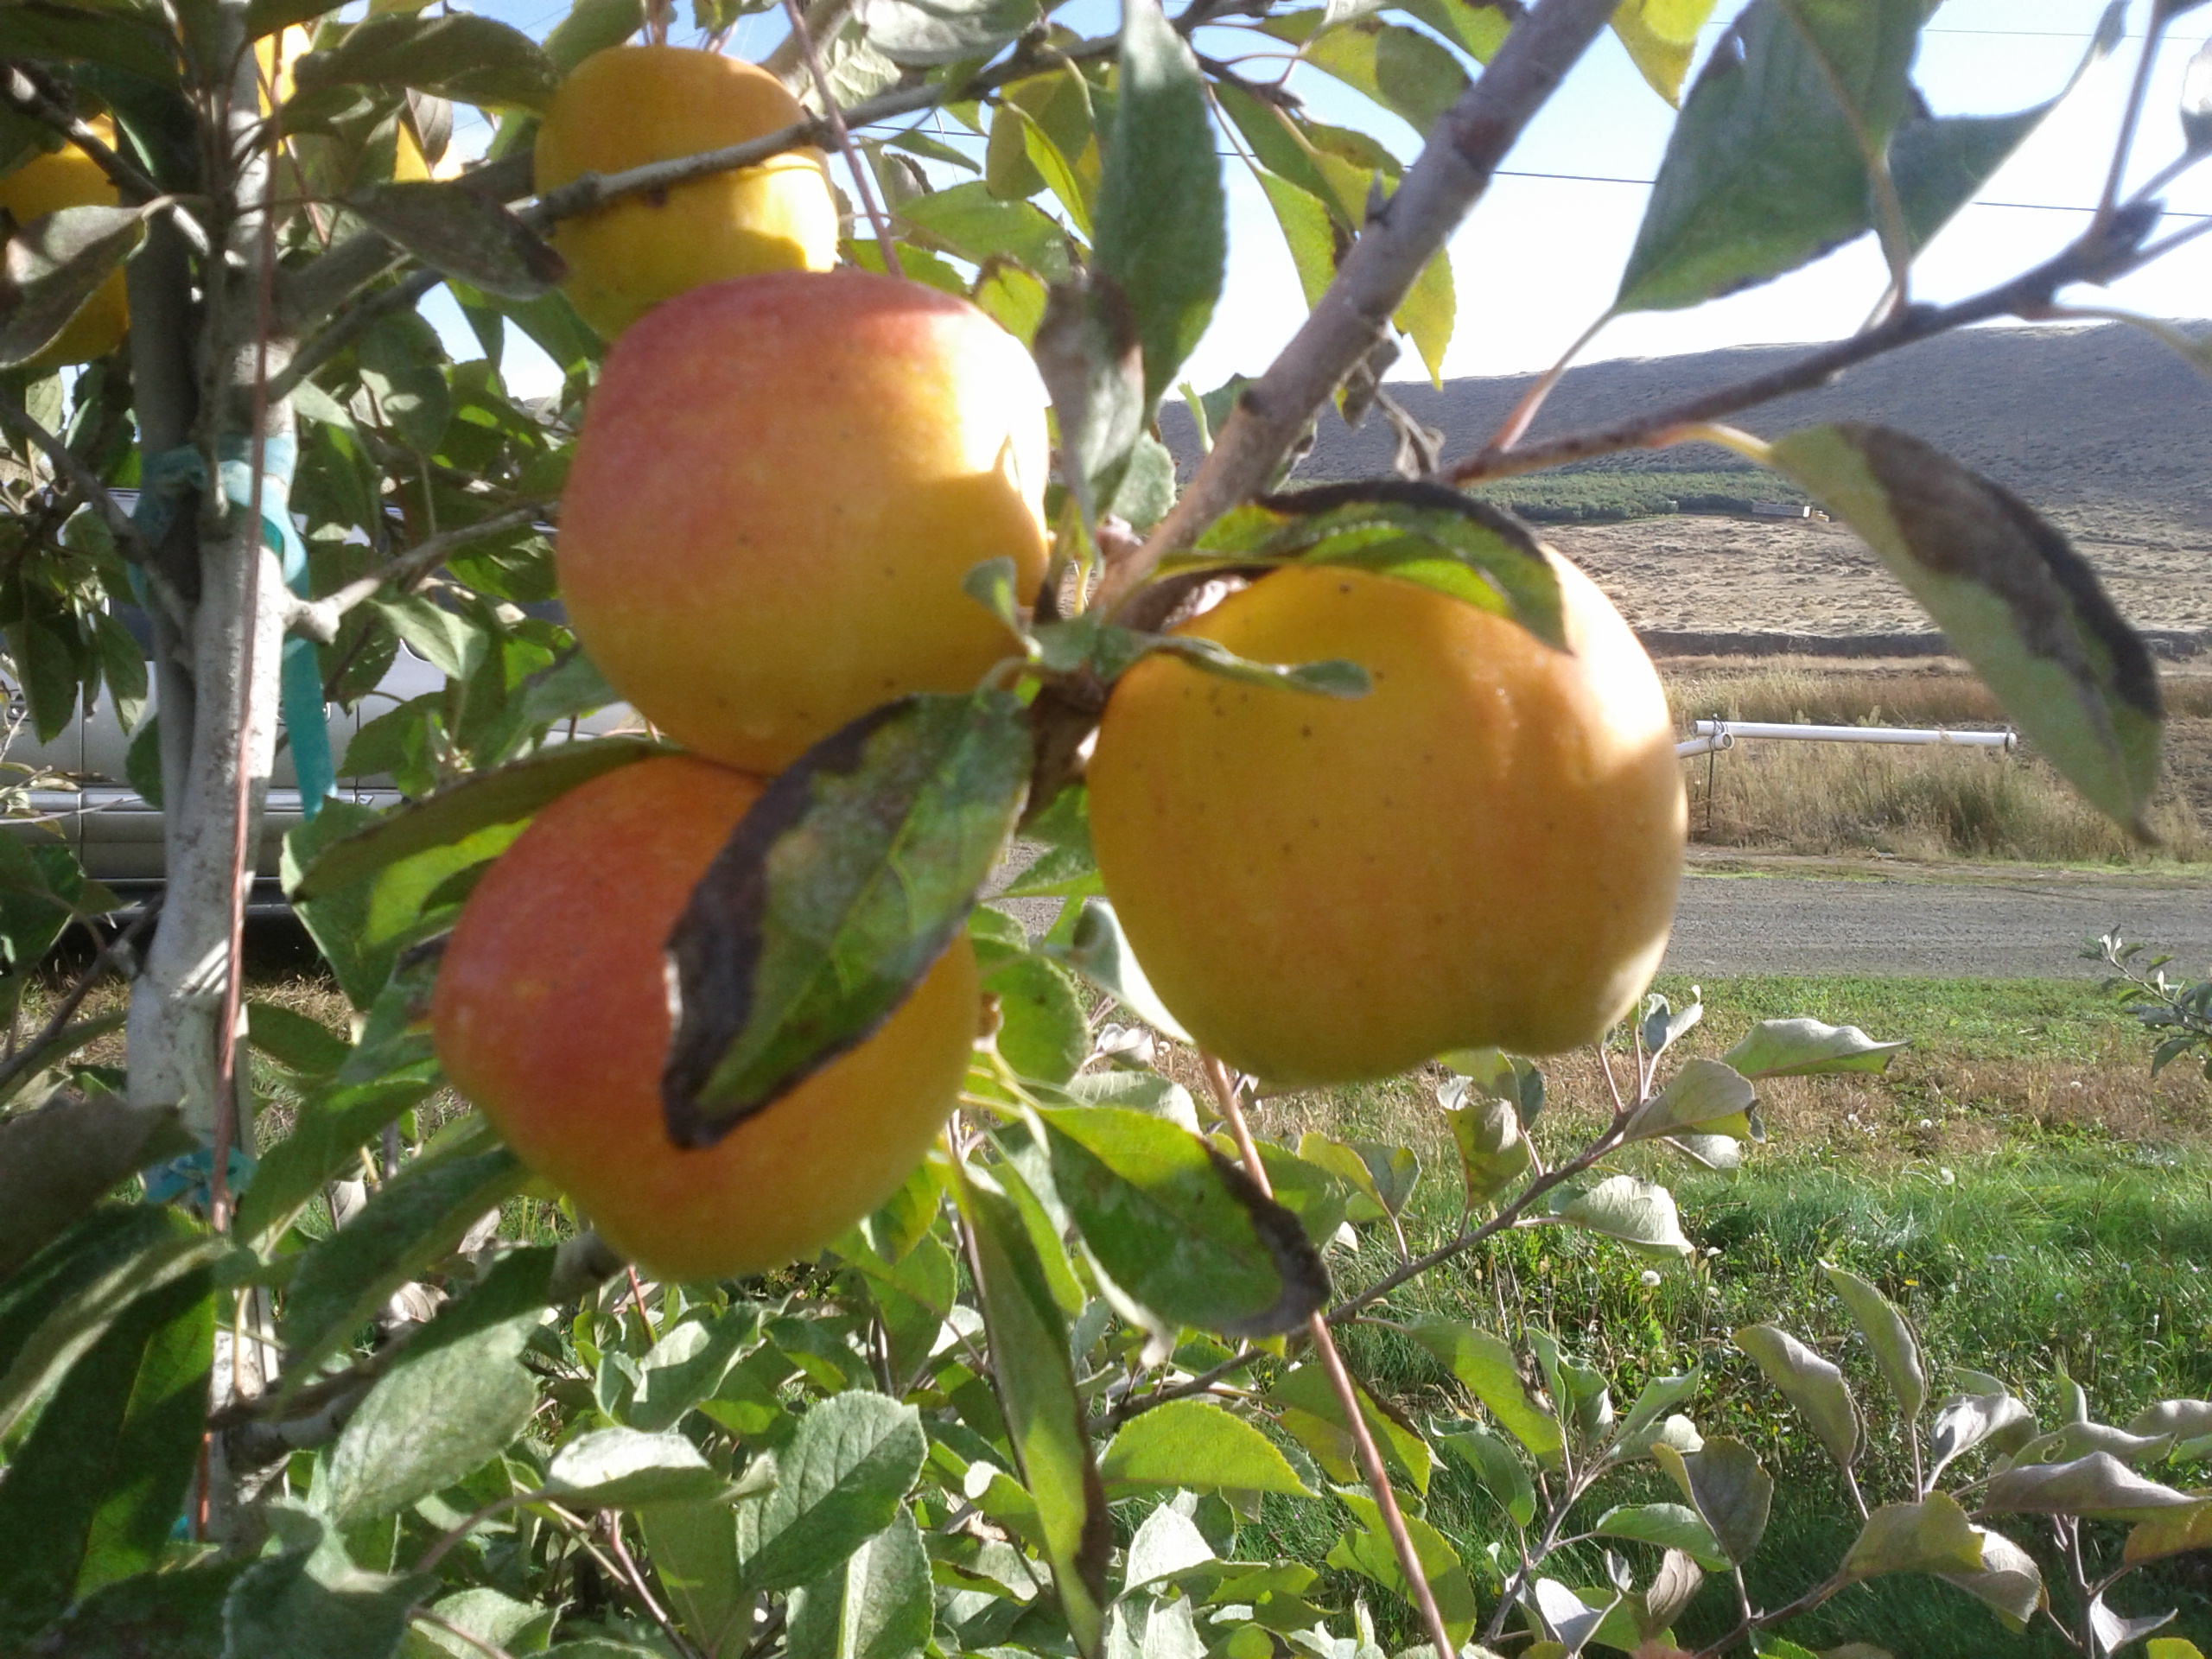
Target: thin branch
(843, 136)
(2098, 256)
(822, 21)
(27, 1058)
(21, 91)
(82, 478)
(355, 321)
(318, 619)
(1370, 1460)
(1453, 170)
(2108, 203)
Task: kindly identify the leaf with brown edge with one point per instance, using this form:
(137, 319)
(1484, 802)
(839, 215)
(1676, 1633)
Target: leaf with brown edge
(834, 895)
(2012, 595)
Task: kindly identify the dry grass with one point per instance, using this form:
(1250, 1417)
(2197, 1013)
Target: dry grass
(1917, 802)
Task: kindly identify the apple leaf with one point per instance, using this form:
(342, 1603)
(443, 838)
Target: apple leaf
(833, 897)
(52, 266)
(1417, 532)
(464, 233)
(2011, 593)
(469, 58)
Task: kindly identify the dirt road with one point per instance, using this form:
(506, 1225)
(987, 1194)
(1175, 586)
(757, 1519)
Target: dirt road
(1791, 918)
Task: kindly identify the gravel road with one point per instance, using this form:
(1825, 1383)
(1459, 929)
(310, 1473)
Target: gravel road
(2012, 926)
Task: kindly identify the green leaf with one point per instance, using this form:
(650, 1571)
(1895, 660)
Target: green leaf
(1170, 264)
(312, 1599)
(1100, 952)
(694, 1548)
(1931, 1536)
(1495, 1464)
(294, 1041)
(1087, 351)
(1166, 1545)
(687, 1365)
(620, 1468)
(2099, 1484)
(1764, 172)
(57, 1162)
(1036, 1386)
(47, 660)
(1371, 1552)
(1044, 1029)
(63, 1308)
(837, 892)
(1193, 1443)
(1804, 1048)
(1179, 1226)
(123, 666)
(1705, 1097)
(1494, 1153)
(1401, 68)
(431, 1420)
(457, 230)
(878, 1604)
(509, 795)
(113, 40)
(1487, 1368)
(508, 1625)
(172, 1615)
(2172, 1532)
(969, 221)
(1724, 1481)
(91, 1491)
(1815, 1387)
(409, 1222)
(1670, 1526)
(2010, 594)
(1426, 315)
(838, 1483)
(1661, 35)
(1641, 1214)
(52, 266)
(1311, 1412)
(1889, 1335)
(1307, 232)
(2009, 1581)
(944, 31)
(460, 55)
(1416, 533)
(330, 1128)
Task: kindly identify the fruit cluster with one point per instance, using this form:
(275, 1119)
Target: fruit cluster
(783, 474)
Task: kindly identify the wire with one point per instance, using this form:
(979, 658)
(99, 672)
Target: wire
(1606, 178)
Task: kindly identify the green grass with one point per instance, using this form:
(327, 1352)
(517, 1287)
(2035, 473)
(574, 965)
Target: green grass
(2072, 1250)
(1607, 495)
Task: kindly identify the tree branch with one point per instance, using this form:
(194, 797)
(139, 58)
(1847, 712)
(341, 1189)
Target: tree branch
(29, 1057)
(83, 478)
(23, 91)
(1451, 174)
(318, 619)
(2098, 256)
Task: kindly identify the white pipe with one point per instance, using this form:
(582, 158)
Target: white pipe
(2005, 740)
(1705, 745)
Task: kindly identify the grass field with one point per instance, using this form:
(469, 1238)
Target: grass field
(1606, 496)
(2017, 1183)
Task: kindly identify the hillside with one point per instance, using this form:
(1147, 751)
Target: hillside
(2067, 416)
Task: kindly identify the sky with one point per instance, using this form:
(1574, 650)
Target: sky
(1540, 258)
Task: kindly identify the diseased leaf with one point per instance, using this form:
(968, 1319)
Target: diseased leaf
(1169, 263)
(1803, 1048)
(1724, 1481)
(2010, 592)
(1196, 1443)
(1815, 1387)
(1417, 532)
(457, 229)
(834, 895)
(1179, 1226)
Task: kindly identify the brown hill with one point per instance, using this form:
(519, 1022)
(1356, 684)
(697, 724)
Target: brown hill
(2068, 416)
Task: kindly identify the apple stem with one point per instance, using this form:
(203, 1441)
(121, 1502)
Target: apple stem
(836, 117)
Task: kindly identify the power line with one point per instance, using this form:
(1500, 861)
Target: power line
(1605, 178)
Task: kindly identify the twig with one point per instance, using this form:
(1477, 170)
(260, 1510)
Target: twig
(2097, 257)
(343, 331)
(1451, 174)
(2108, 203)
(1378, 1478)
(787, 62)
(638, 1585)
(318, 619)
(855, 162)
(21, 93)
(26, 1058)
(86, 482)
